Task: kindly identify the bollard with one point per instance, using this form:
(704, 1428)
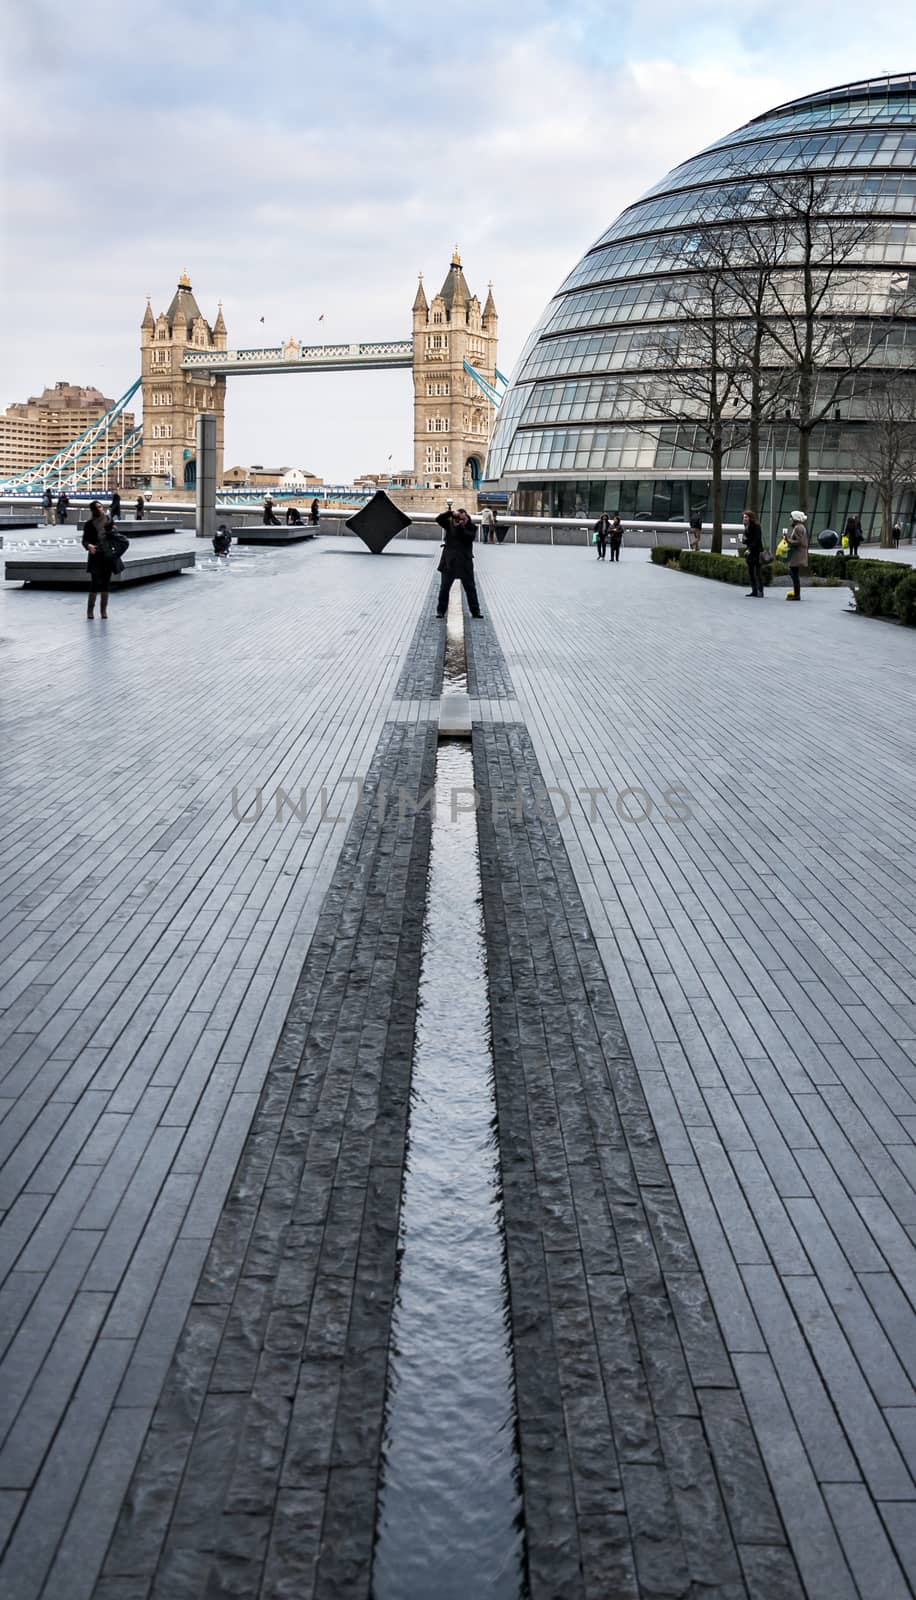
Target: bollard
(206, 475)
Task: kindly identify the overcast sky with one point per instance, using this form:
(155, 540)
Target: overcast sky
(300, 160)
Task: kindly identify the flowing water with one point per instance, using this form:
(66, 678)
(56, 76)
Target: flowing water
(450, 1505)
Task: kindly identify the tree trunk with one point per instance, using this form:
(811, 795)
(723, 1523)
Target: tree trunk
(804, 468)
(756, 408)
(887, 518)
(753, 466)
(716, 453)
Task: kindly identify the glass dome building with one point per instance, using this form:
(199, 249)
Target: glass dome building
(584, 426)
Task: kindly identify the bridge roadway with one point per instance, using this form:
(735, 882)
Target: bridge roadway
(705, 1046)
(295, 357)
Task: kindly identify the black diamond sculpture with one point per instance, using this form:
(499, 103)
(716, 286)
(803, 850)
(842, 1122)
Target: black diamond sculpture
(378, 523)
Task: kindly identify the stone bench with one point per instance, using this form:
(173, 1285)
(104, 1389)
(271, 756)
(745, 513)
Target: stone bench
(260, 533)
(139, 530)
(65, 570)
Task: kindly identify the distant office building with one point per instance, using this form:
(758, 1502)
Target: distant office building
(258, 477)
(33, 429)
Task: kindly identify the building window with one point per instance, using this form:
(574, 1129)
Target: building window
(437, 424)
(437, 316)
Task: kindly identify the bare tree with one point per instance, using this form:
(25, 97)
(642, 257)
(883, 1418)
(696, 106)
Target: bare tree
(886, 455)
(822, 301)
(752, 253)
(698, 386)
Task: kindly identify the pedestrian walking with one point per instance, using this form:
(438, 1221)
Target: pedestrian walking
(853, 534)
(797, 540)
(104, 548)
(139, 508)
(114, 510)
(313, 513)
(47, 502)
(896, 531)
(457, 559)
(696, 530)
(487, 526)
(753, 547)
(602, 531)
(616, 536)
(63, 505)
(270, 521)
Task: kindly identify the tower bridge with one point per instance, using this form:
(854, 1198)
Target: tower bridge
(186, 362)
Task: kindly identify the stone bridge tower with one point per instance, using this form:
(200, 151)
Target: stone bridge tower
(172, 398)
(452, 416)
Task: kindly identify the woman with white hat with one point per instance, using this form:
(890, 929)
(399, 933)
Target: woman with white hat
(797, 540)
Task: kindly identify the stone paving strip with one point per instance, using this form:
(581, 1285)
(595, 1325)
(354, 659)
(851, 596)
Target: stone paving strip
(757, 928)
(259, 1474)
(150, 942)
(640, 1470)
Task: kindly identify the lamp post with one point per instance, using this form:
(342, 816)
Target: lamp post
(772, 486)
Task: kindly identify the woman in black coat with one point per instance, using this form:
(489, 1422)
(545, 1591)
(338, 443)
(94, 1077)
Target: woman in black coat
(457, 559)
(103, 562)
(853, 532)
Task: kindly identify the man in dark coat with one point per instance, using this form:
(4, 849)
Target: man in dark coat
(457, 559)
(753, 544)
(63, 502)
(115, 508)
(602, 530)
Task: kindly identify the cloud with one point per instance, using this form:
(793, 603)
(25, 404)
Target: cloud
(298, 162)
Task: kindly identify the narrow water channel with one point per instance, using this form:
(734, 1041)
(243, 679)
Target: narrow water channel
(450, 1505)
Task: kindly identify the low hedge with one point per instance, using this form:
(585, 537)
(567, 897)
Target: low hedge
(726, 569)
(850, 567)
(887, 589)
(882, 588)
(905, 600)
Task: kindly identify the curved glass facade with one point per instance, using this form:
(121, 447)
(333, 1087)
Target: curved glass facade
(583, 425)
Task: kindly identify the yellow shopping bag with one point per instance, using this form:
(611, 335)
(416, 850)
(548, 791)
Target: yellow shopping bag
(782, 550)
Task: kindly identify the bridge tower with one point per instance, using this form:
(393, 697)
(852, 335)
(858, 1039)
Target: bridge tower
(173, 399)
(452, 416)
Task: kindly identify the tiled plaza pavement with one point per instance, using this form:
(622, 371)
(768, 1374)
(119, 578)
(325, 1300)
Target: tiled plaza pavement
(152, 938)
(268, 1422)
(759, 933)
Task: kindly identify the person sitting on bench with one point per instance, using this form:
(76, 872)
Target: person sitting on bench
(292, 516)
